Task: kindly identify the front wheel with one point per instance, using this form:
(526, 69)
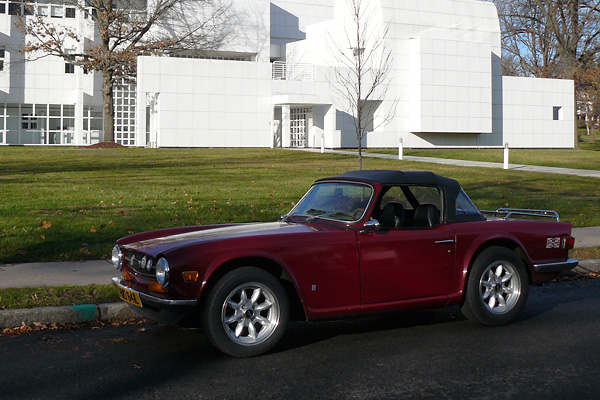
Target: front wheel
(246, 312)
(497, 287)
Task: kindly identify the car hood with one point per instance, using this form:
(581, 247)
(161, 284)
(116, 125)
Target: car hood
(157, 245)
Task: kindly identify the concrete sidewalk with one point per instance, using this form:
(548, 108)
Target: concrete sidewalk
(466, 163)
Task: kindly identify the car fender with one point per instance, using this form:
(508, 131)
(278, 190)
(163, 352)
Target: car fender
(223, 260)
(466, 257)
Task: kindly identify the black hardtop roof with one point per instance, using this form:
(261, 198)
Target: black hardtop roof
(389, 177)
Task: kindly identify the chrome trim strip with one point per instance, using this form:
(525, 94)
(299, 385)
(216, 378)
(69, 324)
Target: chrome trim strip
(118, 282)
(557, 266)
(449, 241)
(525, 212)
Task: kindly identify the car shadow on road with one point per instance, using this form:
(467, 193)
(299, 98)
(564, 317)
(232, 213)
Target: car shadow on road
(301, 334)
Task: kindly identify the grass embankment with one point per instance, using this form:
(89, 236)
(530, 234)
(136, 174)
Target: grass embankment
(57, 296)
(71, 204)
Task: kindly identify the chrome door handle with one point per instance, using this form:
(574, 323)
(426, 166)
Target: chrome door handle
(449, 241)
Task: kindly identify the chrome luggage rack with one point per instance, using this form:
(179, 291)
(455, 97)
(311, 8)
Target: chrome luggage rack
(506, 213)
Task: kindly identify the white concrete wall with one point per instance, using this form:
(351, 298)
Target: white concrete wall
(527, 112)
(207, 103)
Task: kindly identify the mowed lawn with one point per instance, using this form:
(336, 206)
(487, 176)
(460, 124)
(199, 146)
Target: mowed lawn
(71, 203)
(588, 157)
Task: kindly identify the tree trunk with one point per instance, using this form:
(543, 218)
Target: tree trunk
(108, 109)
(360, 153)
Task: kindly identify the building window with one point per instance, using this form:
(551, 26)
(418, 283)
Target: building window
(125, 108)
(2, 8)
(2, 55)
(557, 113)
(69, 12)
(14, 8)
(57, 12)
(42, 11)
(69, 67)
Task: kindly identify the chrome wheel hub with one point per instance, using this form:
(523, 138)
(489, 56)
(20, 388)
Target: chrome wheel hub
(250, 314)
(500, 287)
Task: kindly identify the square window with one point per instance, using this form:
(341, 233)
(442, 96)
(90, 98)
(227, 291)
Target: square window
(14, 8)
(69, 12)
(69, 68)
(57, 12)
(557, 113)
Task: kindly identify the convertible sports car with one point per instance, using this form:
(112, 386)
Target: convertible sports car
(361, 243)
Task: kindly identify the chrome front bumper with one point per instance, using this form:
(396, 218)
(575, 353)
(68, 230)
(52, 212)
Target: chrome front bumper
(163, 310)
(556, 267)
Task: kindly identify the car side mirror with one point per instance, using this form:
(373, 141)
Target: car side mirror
(371, 226)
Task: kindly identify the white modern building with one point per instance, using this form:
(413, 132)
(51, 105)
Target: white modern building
(272, 84)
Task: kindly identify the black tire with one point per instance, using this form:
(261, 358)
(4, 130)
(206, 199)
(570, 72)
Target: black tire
(237, 323)
(497, 287)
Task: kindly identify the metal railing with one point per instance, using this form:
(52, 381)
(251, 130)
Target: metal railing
(293, 72)
(506, 213)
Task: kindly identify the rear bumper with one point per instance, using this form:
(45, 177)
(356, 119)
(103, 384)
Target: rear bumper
(556, 266)
(162, 310)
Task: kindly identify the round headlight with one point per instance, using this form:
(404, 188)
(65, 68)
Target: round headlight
(162, 272)
(117, 257)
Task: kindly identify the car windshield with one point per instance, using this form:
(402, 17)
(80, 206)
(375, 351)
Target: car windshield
(339, 201)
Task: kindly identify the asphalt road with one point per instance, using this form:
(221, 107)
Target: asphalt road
(552, 352)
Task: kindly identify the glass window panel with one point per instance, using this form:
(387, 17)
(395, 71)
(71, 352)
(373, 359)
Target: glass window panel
(69, 111)
(96, 124)
(55, 110)
(41, 109)
(43, 11)
(14, 8)
(57, 12)
(54, 124)
(2, 8)
(69, 12)
(69, 123)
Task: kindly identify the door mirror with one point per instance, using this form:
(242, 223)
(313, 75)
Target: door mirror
(371, 226)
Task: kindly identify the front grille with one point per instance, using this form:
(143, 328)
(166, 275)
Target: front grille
(139, 263)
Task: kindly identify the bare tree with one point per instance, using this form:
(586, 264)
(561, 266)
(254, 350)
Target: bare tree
(552, 38)
(362, 71)
(124, 30)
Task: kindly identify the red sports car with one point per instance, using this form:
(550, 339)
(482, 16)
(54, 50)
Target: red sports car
(360, 243)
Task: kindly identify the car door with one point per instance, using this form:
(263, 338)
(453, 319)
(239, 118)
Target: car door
(407, 261)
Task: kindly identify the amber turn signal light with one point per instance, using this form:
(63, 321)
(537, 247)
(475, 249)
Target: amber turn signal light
(156, 287)
(190, 276)
(127, 277)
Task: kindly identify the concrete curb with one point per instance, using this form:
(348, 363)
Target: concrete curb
(586, 266)
(66, 315)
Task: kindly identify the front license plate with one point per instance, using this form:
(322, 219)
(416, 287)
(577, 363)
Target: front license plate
(130, 297)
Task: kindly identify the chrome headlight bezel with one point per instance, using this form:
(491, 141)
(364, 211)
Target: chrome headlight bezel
(117, 257)
(162, 271)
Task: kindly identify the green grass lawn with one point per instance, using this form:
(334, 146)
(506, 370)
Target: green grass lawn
(57, 296)
(587, 157)
(70, 204)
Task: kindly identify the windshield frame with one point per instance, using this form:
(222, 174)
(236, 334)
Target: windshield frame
(325, 218)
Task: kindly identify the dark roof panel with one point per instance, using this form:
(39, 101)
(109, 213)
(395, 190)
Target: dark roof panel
(387, 177)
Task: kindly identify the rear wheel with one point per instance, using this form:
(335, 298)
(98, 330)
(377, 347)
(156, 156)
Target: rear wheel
(497, 287)
(246, 312)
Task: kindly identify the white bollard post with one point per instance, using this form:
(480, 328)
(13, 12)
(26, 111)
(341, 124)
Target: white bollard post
(400, 149)
(323, 142)
(506, 155)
